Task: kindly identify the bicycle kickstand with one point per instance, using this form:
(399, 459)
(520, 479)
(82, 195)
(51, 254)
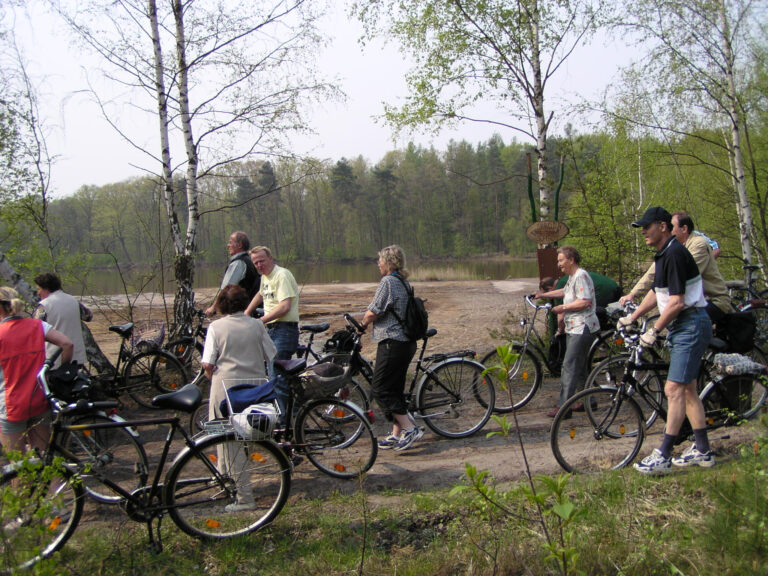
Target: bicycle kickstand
(155, 545)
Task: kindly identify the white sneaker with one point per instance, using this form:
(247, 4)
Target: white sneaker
(408, 437)
(655, 464)
(692, 456)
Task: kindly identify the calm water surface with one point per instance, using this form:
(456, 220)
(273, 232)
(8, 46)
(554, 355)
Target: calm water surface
(107, 282)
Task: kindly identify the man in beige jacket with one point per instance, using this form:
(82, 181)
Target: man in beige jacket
(715, 290)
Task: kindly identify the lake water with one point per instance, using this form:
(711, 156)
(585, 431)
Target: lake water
(107, 282)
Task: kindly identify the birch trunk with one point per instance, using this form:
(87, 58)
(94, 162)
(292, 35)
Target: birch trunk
(745, 210)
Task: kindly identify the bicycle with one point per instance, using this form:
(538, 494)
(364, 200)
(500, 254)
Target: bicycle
(43, 497)
(448, 390)
(742, 292)
(746, 298)
(142, 369)
(603, 427)
(188, 346)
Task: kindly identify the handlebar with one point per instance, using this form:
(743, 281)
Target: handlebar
(357, 326)
(529, 300)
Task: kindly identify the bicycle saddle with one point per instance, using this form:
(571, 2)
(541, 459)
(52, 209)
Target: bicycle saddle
(123, 330)
(315, 328)
(292, 366)
(185, 399)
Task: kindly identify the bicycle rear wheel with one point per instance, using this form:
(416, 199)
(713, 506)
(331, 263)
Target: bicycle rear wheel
(189, 351)
(454, 398)
(336, 437)
(113, 452)
(151, 373)
(38, 513)
(605, 435)
(226, 487)
(523, 380)
(731, 399)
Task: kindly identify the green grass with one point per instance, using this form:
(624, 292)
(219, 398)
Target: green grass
(694, 522)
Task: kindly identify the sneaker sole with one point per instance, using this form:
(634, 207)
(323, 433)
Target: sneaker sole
(654, 471)
(702, 463)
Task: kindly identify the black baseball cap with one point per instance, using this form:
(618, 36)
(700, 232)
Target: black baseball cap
(653, 214)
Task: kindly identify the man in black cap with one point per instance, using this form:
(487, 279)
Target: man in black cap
(678, 292)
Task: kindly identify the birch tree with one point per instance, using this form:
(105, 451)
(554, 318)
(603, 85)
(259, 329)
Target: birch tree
(465, 51)
(226, 84)
(693, 79)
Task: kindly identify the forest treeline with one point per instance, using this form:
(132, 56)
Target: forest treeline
(467, 200)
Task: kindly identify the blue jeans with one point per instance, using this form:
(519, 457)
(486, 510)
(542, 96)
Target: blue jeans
(688, 337)
(286, 339)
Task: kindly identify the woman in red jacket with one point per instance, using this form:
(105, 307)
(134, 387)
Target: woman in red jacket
(24, 414)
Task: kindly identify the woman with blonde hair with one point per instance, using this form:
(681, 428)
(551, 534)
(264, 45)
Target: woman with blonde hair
(24, 414)
(395, 350)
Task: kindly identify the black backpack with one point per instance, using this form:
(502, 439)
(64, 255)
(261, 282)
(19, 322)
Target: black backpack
(416, 320)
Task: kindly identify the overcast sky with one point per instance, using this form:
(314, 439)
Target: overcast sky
(88, 150)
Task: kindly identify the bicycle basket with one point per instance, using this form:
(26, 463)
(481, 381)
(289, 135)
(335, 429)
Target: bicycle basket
(322, 380)
(340, 341)
(148, 336)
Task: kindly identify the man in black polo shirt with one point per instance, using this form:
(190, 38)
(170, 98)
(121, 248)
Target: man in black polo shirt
(240, 269)
(678, 291)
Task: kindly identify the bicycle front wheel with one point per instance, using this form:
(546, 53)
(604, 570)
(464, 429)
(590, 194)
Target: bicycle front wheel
(111, 452)
(336, 437)
(39, 511)
(597, 429)
(151, 373)
(454, 398)
(225, 487)
(610, 371)
(523, 380)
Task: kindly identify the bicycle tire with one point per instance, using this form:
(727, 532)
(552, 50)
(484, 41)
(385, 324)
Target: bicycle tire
(189, 352)
(732, 399)
(198, 418)
(606, 435)
(336, 437)
(151, 373)
(113, 452)
(454, 398)
(523, 380)
(610, 371)
(40, 512)
(204, 481)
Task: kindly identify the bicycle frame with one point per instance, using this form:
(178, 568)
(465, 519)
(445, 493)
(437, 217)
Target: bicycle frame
(537, 346)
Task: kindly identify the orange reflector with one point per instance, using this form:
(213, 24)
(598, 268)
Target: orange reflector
(339, 412)
(339, 467)
(161, 360)
(572, 433)
(622, 429)
(619, 341)
(212, 523)
(258, 457)
(710, 421)
(54, 523)
(87, 432)
(213, 458)
(525, 375)
(174, 385)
